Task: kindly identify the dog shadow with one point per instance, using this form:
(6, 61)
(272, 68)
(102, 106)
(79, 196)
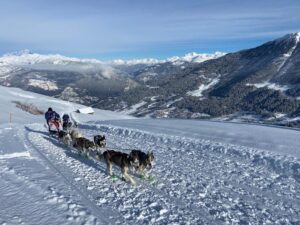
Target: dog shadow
(73, 153)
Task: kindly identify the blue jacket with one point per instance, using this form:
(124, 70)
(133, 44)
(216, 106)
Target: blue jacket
(51, 115)
(66, 118)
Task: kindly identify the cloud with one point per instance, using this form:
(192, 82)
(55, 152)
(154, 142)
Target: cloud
(116, 27)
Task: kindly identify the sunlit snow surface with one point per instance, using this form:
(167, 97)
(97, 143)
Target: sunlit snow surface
(203, 87)
(205, 172)
(272, 86)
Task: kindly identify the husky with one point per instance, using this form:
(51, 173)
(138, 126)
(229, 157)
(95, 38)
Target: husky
(75, 134)
(145, 160)
(121, 159)
(83, 145)
(64, 137)
(100, 141)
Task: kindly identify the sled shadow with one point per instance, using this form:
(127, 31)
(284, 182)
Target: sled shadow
(36, 131)
(71, 152)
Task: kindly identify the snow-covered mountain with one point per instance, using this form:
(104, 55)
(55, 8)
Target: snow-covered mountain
(256, 84)
(252, 85)
(38, 71)
(192, 57)
(26, 57)
(205, 172)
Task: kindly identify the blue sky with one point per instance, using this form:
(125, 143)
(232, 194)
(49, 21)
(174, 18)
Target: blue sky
(142, 28)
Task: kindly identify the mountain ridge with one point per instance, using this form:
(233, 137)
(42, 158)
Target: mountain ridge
(261, 82)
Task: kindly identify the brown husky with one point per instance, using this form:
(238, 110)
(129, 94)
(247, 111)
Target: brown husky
(121, 159)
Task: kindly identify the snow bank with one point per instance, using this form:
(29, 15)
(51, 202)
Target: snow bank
(281, 164)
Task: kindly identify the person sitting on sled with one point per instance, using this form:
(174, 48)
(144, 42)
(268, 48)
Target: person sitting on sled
(52, 118)
(66, 122)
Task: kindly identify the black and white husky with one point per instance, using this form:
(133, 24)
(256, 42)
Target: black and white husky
(83, 145)
(146, 160)
(100, 141)
(64, 137)
(75, 134)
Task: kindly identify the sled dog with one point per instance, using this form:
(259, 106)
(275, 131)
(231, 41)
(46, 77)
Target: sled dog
(64, 137)
(100, 141)
(145, 159)
(75, 134)
(83, 144)
(121, 159)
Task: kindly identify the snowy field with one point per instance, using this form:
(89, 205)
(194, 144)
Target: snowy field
(205, 172)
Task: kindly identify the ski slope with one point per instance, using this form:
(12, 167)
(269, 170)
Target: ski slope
(205, 172)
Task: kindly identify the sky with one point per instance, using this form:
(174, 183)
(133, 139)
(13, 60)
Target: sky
(128, 29)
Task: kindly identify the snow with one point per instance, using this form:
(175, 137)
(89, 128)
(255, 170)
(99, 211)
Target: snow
(200, 115)
(26, 57)
(279, 115)
(7, 95)
(22, 95)
(203, 87)
(195, 57)
(6, 70)
(295, 37)
(133, 108)
(269, 85)
(15, 155)
(86, 110)
(205, 172)
(43, 84)
(135, 61)
(176, 60)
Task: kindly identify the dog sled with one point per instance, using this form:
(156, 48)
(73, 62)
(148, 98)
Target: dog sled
(54, 126)
(136, 161)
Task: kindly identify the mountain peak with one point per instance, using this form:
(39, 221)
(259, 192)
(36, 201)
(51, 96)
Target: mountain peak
(19, 53)
(294, 36)
(176, 60)
(290, 37)
(297, 36)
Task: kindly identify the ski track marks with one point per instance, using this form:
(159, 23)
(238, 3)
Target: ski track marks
(196, 181)
(234, 184)
(31, 192)
(43, 146)
(140, 204)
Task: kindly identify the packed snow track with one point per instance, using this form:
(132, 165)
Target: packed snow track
(197, 180)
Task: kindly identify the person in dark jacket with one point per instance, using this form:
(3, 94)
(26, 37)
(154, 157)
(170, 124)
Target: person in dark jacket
(51, 115)
(66, 122)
